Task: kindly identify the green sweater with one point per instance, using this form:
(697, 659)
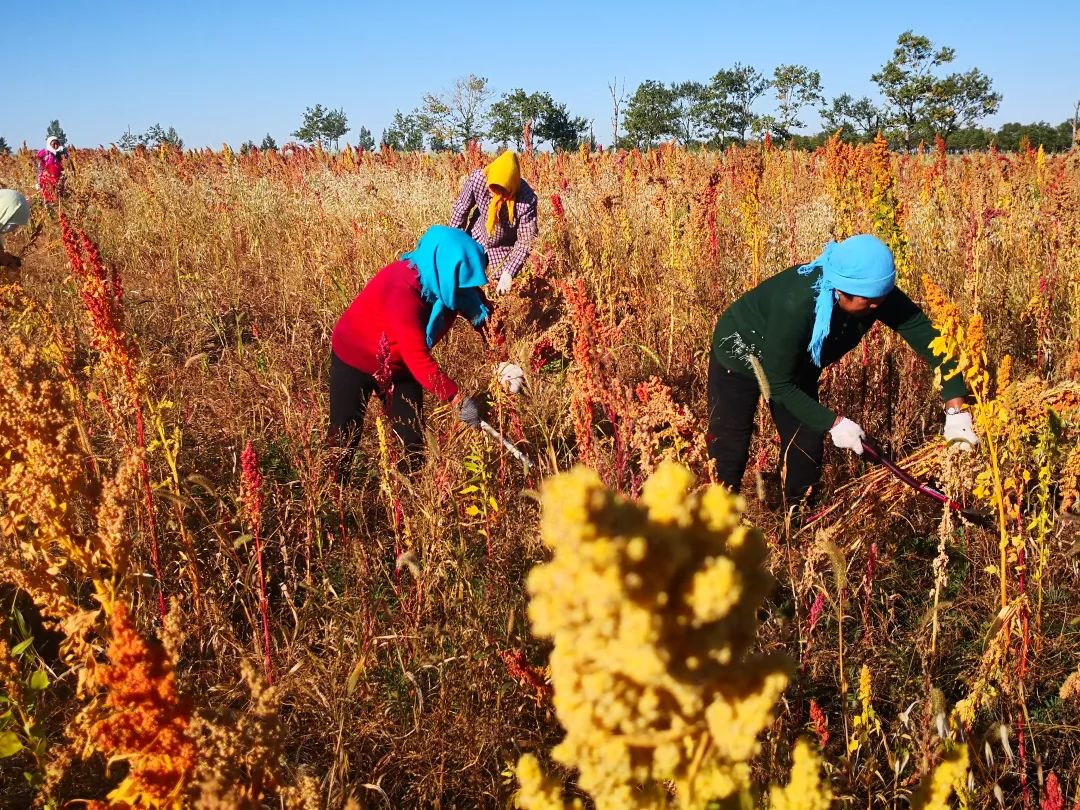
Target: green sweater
(774, 321)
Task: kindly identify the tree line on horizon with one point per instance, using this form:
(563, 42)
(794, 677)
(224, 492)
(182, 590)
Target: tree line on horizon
(919, 103)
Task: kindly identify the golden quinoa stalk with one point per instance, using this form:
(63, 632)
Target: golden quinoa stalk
(652, 610)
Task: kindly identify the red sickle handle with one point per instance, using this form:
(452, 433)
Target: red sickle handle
(874, 451)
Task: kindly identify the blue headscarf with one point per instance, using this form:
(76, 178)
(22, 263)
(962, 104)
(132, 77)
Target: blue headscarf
(860, 265)
(451, 266)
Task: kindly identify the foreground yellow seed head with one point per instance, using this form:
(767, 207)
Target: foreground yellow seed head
(652, 610)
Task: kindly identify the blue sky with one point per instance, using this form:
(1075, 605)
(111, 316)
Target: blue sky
(230, 71)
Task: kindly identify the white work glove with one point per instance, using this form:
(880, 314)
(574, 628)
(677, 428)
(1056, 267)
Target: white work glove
(505, 280)
(511, 377)
(958, 427)
(847, 435)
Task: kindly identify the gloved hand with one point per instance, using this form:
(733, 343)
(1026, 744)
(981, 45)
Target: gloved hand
(470, 412)
(847, 435)
(505, 280)
(958, 427)
(511, 377)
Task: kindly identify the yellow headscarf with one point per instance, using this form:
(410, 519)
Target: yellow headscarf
(505, 173)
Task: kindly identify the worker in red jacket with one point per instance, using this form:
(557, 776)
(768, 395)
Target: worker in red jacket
(383, 341)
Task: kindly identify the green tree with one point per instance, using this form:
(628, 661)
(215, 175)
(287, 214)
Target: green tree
(729, 101)
(651, 116)
(55, 130)
(154, 137)
(796, 87)
(313, 127)
(247, 147)
(159, 136)
(511, 113)
(335, 126)
(268, 143)
(691, 108)
(970, 138)
(860, 119)
(4, 148)
(920, 103)
(1011, 136)
(563, 131)
(129, 141)
(458, 116)
(549, 121)
(365, 141)
(405, 133)
(959, 100)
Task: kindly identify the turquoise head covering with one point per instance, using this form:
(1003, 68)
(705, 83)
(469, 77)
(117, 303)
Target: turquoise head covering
(860, 265)
(450, 264)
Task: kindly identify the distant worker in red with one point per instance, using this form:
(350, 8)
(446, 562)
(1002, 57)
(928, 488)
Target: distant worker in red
(51, 169)
(498, 209)
(382, 343)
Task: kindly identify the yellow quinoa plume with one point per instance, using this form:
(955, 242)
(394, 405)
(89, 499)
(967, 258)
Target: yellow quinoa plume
(652, 610)
(949, 776)
(805, 790)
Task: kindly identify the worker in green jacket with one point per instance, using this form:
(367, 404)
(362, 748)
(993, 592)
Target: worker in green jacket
(794, 325)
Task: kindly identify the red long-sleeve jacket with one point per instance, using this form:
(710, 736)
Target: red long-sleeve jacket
(391, 304)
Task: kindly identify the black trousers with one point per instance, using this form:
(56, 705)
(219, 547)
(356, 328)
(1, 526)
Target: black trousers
(733, 400)
(350, 390)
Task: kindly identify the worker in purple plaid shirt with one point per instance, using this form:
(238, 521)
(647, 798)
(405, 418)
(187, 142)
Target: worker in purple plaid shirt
(498, 209)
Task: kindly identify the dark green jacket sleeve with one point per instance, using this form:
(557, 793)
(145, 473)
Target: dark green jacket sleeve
(903, 315)
(786, 337)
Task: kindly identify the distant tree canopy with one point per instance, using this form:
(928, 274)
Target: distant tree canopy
(322, 126)
(268, 143)
(547, 120)
(56, 131)
(405, 133)
(365, 140)
(920, 104)
(4, 148)
(154, 137)
(919, 101)
(454, 118)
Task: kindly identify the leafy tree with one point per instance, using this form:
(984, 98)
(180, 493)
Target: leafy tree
(335, 125)
(860, 118)
(920, 103)
(511, 113)
(4, 148)
(158, 136)
(405, 133)
(970, 138)
(129, 141)
(457, 117)
(796, 87)
(322, 126)
(651, 116)
(247, 147)
(691, 107)
(549, 121)
(154, 137)
(961, 99)
(560, 129)
(1011, 136)
(55, 130)
(268, 143)
(729, 101)
(365, 141)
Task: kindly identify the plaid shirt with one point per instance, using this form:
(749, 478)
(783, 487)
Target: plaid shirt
(508, 249)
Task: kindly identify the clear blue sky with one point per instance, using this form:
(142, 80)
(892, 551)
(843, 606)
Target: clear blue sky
(232, 71)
